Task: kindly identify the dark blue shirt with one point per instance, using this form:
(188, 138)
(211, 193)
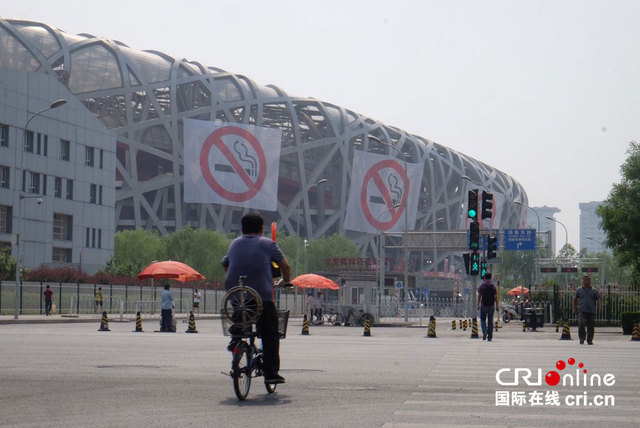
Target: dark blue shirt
(251, 256)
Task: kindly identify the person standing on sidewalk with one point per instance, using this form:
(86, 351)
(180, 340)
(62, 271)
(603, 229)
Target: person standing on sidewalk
(196, 300)
(487, 302)
(166, 324)
(586, 302)
(48, 300)
(99, 297)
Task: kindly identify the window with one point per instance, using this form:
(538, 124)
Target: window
(99, 238)
(65, 150)
(4, 135)
(39, 143)
(88, 158)
(100, 195)
(69, 189)
(28, 144)
(62, 227)
(57, 187)
(101, 158)
(93, 193)
(87, 242)
(34, 182)
(44, 184)
(4, 177)
(61, 255)
(5, 219)
(45, 145)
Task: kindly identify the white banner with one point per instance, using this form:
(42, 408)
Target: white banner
(231, 164)
(380, 193)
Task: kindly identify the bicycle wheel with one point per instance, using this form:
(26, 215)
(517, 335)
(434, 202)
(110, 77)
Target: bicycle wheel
(241, 371)
(242, 306)
(336, 318)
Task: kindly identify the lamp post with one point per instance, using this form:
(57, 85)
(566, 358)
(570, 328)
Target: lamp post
(537, 272)
(380, 262)
(305, 190)
(603, 279)
(18, 182)
(405, 198)
(566, 233)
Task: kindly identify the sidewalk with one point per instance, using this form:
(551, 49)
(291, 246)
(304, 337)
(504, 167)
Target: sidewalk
(88, 318)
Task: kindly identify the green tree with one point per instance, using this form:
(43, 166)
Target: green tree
(620, 214)
(134, 250)
(331, 246)
(201, 249)
(7, 264)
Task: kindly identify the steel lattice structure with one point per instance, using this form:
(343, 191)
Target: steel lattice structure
(144, 95)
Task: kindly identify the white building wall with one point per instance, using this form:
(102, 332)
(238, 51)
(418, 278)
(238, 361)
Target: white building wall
(23, 94)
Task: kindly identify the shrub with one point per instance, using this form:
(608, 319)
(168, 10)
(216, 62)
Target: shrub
(627, 319)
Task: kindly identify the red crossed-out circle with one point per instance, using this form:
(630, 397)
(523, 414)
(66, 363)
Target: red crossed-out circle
(215, 140)
(374, 174)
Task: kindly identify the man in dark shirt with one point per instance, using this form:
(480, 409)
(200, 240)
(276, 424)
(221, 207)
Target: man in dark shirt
(487, 302)
(48, 300)
(587, 302)
(251, 255)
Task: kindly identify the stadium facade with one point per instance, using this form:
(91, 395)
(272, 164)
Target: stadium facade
(142, 97)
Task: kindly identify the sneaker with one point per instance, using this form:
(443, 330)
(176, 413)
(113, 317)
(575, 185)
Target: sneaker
(489, 340)
(589, 343)
(582, 341)
(484, 337)
(273, 379)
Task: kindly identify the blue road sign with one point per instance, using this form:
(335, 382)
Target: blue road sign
(399, 285)
(520, 239)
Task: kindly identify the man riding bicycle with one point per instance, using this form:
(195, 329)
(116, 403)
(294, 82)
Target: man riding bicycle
(250, 256)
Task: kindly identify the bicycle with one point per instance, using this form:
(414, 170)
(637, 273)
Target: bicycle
(358, 318)
(332, 317)
(241, 308)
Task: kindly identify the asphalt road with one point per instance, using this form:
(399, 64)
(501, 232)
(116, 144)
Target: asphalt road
(72, 375)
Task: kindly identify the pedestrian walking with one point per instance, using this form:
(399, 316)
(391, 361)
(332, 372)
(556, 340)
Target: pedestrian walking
(319, 305)
(586, 303)
(48, 300)
(311, 306)
(487, 303)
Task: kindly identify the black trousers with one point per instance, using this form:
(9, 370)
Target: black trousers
(268, 329)
(585, 322)
(165, 324)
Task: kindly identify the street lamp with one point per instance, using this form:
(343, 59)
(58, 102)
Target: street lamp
(603, 258)
(17, 215)
(405, 199)
(537, 271)
(305, 190)
(381, 261)
(566, 233)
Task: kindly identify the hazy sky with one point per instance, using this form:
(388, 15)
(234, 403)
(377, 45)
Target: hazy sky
(546, 91)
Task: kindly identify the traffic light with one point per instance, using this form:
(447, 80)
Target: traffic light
(474, 263)
(474, 236)
(472, 205)
(492, 247)
(483, 268)
(487, 204)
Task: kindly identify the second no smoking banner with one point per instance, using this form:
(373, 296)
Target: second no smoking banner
(380, 192)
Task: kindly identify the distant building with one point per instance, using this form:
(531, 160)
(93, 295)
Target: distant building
(590, 227)
(546, 226)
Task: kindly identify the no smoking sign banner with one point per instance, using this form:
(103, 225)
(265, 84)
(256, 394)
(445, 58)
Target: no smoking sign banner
(231, 164)
(380, 192)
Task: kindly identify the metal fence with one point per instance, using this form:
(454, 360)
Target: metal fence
(76, 299)
(614, 302)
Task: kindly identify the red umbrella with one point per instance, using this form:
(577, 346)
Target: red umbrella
(311, 280)
(170, 270)
(518, 290)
